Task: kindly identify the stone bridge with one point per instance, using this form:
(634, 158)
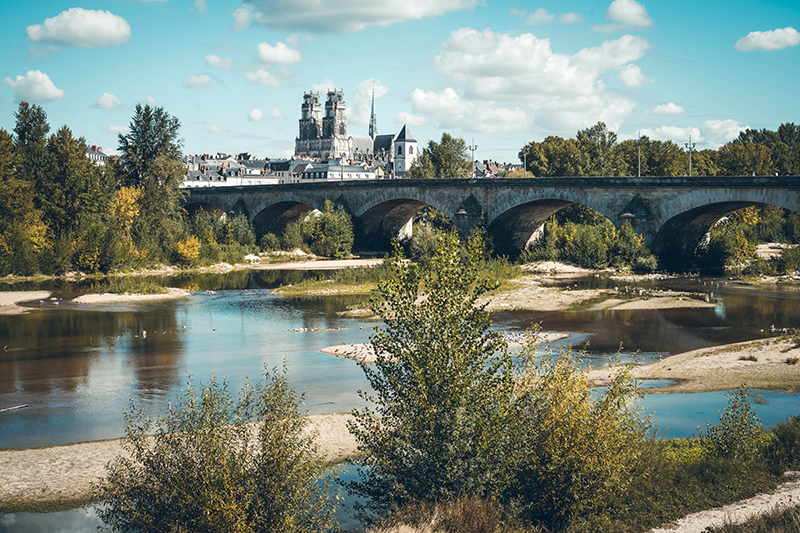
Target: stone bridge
(671, 213)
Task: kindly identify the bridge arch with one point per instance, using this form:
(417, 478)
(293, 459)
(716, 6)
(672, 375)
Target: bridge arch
(381, 223)
(275, 217)
(193, 208)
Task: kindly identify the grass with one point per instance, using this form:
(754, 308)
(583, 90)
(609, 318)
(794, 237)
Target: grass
(792, 360)
(748, 358)
(130, 285)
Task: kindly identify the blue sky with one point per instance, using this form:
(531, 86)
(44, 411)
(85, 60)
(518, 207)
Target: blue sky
(501, 73)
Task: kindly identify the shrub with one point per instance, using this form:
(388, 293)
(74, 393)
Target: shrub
(188, 250)
(442, 387)
(577, 448)
(783, 452)
(207, 469)
(269, 242)
(739, 435)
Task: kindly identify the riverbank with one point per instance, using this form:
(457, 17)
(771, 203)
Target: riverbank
(64, 475)
(9, 301)
(762, 364)
(108, 298)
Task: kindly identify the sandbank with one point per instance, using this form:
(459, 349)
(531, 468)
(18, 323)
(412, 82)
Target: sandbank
(365, 352)
(108, 298)
(9, 301)
(67, 473)
(760, 364)
(318, 265)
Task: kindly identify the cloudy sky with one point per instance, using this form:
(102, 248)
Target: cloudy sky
(497, 73)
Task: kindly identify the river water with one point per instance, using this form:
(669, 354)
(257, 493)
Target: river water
(78, 366)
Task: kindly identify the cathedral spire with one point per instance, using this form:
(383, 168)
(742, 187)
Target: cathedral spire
(373, 121)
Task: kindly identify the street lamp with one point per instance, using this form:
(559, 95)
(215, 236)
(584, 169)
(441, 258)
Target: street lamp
(639, 147)
(473, 148)
(690, 146)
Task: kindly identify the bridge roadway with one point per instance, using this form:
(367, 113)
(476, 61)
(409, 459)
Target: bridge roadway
(671, 213)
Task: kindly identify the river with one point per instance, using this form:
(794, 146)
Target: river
(77, 367)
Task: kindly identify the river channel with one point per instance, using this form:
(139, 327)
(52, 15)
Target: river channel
(77, 367)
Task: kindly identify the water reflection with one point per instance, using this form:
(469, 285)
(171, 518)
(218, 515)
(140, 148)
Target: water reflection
(77, 369)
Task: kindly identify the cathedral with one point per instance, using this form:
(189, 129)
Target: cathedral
(327, 138)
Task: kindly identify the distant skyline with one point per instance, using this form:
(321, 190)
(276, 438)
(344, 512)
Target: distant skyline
(497, 73)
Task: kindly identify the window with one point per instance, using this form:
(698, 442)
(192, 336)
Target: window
(399, 150)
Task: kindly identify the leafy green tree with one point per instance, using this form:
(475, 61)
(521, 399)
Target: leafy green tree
(208, 468)
(658, 158)
(554, 156)
(442, 385)
(598, 148)
(331, 234)
(745, 158)
(447, 159)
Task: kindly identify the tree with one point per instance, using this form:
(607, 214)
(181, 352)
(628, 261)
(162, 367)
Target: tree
(554, 156)
(745, 158)
(658, 158)
(153, 134)
(447, 159)
(208, 469)
(598, 149)
(443, 385)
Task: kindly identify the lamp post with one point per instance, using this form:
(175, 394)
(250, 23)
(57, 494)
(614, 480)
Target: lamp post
(690, 146)
(524, 162)
(639, 148)
(472, 163)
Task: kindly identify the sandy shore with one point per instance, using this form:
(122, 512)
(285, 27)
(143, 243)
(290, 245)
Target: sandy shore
(365, 352)
(318, 265)
(66, 473)
(9, 301)
(108, 298)
(762, 364)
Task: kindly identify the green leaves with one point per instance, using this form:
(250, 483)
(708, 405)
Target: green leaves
(219, 464)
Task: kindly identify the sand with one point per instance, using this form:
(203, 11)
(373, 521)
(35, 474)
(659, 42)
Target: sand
(318, 265)
(108, 298)
(9, 301)
(758, 364)
(66, 473)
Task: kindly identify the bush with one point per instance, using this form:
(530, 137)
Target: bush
(577, 448)
(442, 387)
(739, 436)
(269, 242)
(207, 469)
(783, 451)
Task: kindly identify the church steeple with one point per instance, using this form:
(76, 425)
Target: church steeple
(373, 121)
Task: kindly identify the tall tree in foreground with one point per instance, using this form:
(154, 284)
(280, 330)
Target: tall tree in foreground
(443, 383)
(208, 469)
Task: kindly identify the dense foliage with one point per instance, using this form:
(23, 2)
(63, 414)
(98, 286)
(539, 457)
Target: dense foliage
(207, 468)
(453, 418)
(595, 152)
(447, 159)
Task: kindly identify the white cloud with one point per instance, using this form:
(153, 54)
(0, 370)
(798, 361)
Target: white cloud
(677, 134)
(262, 77)
(540, 16)
(625, 14)
(570, 18)
(200, 6)
(256, 115)
(108, 101)
(323, 87)
(407, 119)
(632, 76)
(82, 27)
(213, 60)
(453, 112)
(359, 102)
(277, 114)
(280, 53)
(34, 86)
(293, 40)
(150, 100)
(719, 132)
(242, 17)
(769, 40)
(670, 108)
(217, 129)
(565, 92)
(518, 12)
(118, 129)
(200, 80)
(343, 17)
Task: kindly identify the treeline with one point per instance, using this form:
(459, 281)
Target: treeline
(61, 212)
(596, 151)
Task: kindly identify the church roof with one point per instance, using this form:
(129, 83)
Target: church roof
(383, 142)
(405, 135)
